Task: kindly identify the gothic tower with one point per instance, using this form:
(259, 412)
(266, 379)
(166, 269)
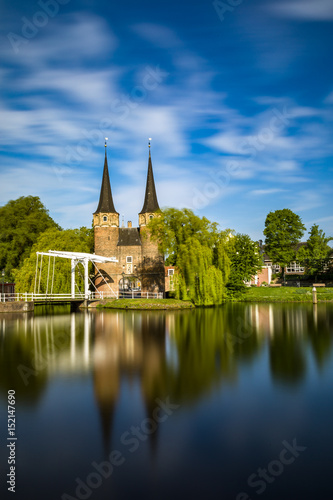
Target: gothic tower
(106, 226)
(150, 204)
(153, 261)
(140, 265)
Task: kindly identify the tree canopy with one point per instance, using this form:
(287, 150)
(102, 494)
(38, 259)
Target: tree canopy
(71, 240)
(315, 255)
(204, 256)
(245, 260)
(21, 222)
(283, 230)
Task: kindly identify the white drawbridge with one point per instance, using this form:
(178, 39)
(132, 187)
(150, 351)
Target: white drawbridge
(76, 258)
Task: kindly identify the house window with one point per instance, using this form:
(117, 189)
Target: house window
(171, 272)
(105, 219)
(294, 267)
(129, 260)
(151, 217)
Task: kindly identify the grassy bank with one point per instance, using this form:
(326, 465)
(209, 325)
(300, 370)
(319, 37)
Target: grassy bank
(286, 294)
(144, 304)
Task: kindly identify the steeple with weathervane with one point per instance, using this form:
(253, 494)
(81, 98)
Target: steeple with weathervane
(150, 204)
(106, 214)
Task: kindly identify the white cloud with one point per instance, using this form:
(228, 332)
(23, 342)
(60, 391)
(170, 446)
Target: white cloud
(265, 192)
(307, 10)
(226, 142)
(67, 39)
(158, 35)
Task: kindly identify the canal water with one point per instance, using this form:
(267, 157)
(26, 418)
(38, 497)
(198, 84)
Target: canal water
(232, 402)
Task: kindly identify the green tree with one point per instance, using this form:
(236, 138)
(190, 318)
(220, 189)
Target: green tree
(195, 247)
(283, 230)
(315, 255)
(71, 240)
(21, 223)
(246, 261)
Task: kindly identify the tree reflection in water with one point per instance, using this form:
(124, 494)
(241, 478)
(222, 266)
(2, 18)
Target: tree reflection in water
(182, 354)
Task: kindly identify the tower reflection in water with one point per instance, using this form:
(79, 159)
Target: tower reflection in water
(128, 347)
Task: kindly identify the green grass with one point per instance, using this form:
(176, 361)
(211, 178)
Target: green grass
(286, 294)
(145, 304)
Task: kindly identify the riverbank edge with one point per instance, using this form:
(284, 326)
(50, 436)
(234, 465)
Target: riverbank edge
(19, 306)
(286, 294)
(142, 304)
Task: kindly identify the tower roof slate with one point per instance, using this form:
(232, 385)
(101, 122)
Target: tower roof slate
(105, 204)
(150, 203)
(129, 236)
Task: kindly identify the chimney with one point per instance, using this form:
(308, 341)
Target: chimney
(129, 223)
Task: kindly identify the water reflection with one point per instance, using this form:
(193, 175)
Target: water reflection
(181, 354)
(128, 346)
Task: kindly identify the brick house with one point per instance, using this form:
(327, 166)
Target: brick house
(269, 268)
(140, 265)
(170, 272)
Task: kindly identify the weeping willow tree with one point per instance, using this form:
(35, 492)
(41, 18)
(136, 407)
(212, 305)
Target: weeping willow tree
(198, 250)
(71, 240)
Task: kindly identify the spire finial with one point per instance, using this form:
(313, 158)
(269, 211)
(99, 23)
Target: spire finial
(106, 139)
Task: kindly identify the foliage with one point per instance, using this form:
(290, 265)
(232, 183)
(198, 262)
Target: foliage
(245, 260)
(198, 250)
(207, 260)
(71, 240)
(317, 251)
(21, 222)
(283, 230)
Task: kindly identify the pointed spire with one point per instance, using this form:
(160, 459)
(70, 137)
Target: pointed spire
(150, 203)
(105, 204)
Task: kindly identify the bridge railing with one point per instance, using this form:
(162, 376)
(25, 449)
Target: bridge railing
(28, 297)
(134, 294)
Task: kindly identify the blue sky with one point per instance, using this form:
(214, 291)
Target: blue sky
(237, 97)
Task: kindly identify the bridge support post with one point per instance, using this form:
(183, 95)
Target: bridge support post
(86, 279)
(73, 262)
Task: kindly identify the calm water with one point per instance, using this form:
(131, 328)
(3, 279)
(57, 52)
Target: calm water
(227, 403)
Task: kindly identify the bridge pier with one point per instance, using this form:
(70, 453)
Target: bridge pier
(16, 306)
(75, 305)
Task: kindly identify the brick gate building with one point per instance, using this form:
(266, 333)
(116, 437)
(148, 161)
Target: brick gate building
(140, 265)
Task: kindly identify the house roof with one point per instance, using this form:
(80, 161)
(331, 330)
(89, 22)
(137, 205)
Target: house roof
(150, 203)
(267, 258)
(129, 236)
(105, 204)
